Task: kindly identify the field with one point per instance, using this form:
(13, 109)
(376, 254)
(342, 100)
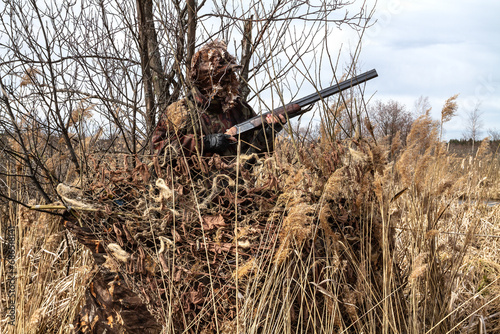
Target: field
(327, 236)
(363, 221)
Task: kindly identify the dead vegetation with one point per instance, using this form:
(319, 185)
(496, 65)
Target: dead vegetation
(334, 237)
(348, 233)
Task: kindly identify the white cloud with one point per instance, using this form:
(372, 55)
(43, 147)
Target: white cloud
(438, 49)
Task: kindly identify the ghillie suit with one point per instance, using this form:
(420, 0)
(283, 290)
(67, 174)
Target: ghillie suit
(212, 105)
(199, 243)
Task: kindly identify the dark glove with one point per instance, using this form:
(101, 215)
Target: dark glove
(216, 143)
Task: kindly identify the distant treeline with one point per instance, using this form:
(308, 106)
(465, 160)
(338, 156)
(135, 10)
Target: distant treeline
(465, 146)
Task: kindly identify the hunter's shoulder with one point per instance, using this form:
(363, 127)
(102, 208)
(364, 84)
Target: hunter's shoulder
(177, 114)
(245, 108)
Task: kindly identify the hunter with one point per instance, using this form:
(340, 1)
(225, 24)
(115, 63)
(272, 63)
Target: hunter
(201, 122)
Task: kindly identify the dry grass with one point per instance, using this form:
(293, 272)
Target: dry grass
(52, 274)
(348, 241)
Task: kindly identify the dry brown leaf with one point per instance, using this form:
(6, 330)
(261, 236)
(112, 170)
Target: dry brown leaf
(211, 222)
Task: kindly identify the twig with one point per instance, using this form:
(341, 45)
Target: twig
(69, 208)
(443, 232)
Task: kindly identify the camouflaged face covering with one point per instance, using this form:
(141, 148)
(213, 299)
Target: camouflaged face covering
(213, 73)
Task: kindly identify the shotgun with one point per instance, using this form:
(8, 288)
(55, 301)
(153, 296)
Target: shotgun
(295, 108)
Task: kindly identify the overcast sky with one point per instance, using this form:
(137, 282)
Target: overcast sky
(437, 49)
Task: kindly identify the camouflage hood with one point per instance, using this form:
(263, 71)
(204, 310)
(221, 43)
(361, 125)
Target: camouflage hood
(213, 73)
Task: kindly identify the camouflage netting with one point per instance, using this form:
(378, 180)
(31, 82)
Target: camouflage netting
(187, 244)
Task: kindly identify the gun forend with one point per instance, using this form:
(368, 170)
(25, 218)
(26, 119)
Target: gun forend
(255, 122)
